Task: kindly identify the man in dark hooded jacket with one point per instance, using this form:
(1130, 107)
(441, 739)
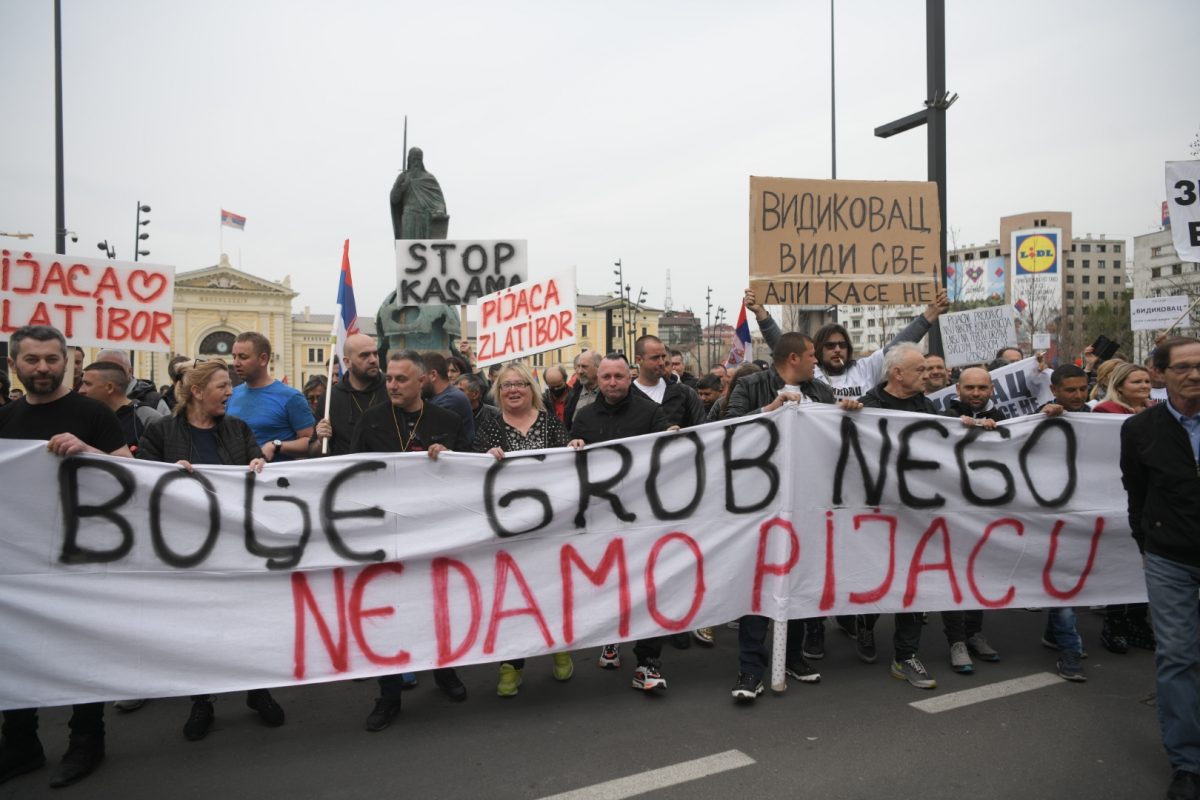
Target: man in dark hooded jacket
(361, 387)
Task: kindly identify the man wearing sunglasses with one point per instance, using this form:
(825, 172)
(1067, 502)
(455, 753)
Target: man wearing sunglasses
(850, 378)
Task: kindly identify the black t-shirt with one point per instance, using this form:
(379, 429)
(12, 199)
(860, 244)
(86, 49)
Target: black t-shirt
(204, 445)
(93, 422)
(379, 430)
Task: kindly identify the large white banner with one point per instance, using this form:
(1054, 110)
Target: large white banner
(123, 578)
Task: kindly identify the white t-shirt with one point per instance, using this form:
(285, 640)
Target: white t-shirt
(655, 392)
(863, 376)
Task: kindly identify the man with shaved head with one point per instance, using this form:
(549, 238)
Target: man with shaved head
(361, 387)
(974, 402)
(139, 390)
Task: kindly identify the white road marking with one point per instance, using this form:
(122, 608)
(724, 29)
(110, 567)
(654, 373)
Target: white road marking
(949, 702)
(633, 785)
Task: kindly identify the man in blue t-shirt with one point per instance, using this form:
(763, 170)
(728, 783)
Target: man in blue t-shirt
(441, 392)
(277, 413)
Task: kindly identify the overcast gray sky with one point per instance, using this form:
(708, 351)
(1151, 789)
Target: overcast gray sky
(596, 131)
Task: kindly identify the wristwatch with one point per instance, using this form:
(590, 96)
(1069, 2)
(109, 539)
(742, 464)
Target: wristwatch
(278, 444)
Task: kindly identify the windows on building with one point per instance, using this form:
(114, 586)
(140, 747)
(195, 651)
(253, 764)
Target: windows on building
(1116, 248)
(1100, 279)
(1070, 294)
(1087, 264)
(1086, 296)
(1087, 278)
(316, 355)
(1085, 248)
(1070, 278)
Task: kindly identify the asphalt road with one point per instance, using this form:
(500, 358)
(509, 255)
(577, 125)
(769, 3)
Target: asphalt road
(853, 735)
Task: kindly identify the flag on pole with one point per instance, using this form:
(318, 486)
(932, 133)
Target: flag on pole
(345, 318)
(232, 220)
(738, 354)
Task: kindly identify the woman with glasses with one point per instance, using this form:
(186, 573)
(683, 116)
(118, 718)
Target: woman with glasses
(522, 424)
(200, 432)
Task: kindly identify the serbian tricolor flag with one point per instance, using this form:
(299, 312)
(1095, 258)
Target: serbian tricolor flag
(345, 318)
(741, 340)
(232, 220)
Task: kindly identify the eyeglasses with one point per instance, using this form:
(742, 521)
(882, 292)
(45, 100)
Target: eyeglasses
(514, 385)
(836, 345)
(1183, 369)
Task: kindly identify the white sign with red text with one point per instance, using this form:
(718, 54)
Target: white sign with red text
(94, 302)
(220, 579)
(526, 319)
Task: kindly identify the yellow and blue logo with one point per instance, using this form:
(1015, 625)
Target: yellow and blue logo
(1037, 253)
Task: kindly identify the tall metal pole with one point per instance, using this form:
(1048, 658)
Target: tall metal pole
(935, 77)
(832, 98)
(60, 212)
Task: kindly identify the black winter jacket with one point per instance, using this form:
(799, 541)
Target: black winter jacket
(169, 439)
(680, 404)
(1162, 478)
(878, 398)
(346, 407)
(957, 408)
(753, 392)
(633, 415)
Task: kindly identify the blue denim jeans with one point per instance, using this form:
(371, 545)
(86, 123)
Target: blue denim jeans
(1060, 629)
(1174, 592)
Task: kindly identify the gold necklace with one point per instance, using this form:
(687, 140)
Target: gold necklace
(405, 445)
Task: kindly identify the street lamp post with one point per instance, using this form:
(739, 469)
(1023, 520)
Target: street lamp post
(138, 233)
(708, 328)
(108, 249)
(620, 273)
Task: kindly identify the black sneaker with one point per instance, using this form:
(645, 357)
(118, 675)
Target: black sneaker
(199, 721)
(385, 710)
(814, 642)
(269, 711)
(802, 671)
(865, 644)
(14, 762)
(1113, 640)
(1070, 668)
(1184, 785)
(681, 641)
(447, 680)
(848, 624)
(747, 687)
(84, 754)
(1141, 635)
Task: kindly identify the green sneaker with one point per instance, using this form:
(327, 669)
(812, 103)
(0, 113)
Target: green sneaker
(564, 667)
(510, 681)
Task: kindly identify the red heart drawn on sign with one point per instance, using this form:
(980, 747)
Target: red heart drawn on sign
(147, 279)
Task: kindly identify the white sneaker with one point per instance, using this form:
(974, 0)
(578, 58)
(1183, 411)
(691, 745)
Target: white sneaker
(647, 678)
(610, 657)
(960, 659)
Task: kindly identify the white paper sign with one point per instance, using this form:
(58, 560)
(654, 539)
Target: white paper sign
(94, 302)
(973, 337)
(1018, 389)
(456, 271)
(525, 319)
(1157, 313)
(350, 566)
(1183, 195)
(1041, 341)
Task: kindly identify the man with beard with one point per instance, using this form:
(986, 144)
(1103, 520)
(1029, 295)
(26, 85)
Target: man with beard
(408, 424)
(937, 377)
(361, 387)
(441, 392)
(73, 424)
(556, 394)
(836, 364)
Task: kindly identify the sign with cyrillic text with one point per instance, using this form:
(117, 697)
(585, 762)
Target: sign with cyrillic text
(1183, 196)
(973, 337)
(1018, 389)
(342, 567)
(526, 319)
(836, 242)
(94, 302)
(456, 272)
(1157, 313)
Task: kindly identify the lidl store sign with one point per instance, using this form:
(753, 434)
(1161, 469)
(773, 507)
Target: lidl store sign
(1037, 253)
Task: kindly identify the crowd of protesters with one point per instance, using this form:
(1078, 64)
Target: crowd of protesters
(433, 402)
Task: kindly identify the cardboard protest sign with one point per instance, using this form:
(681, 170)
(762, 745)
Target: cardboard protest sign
(94, 302)
(1183, 194)
(1018, 389)
(816, 242)
(973, 337)
(365, 565)
(456, 272)
(525, 319)
(1157, 313)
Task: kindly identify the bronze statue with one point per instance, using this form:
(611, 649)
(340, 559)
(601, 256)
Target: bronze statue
(418, 212)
